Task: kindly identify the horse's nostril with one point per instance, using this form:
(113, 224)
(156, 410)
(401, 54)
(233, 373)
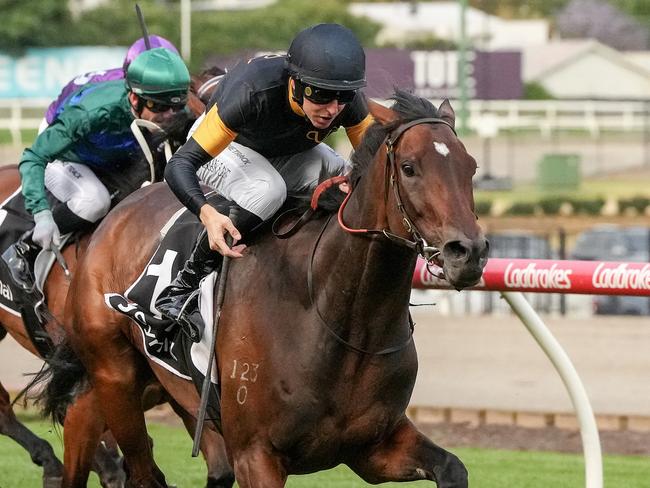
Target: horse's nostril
(455, 251)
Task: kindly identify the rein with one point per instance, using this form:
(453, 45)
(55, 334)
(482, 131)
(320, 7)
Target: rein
(310, 286)
(417, 242)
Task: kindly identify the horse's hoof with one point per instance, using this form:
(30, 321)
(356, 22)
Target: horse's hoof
(52, 481)
(118, 483)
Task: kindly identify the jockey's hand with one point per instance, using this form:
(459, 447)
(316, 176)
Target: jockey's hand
(46, 233)
(217, 225)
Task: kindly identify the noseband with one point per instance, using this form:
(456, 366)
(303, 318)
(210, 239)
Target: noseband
(416, 242)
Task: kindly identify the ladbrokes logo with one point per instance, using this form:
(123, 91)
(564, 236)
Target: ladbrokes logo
(531, 277)
(5, 292)
(621, 277)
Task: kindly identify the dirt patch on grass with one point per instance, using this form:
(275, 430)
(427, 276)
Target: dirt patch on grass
(538, 439)
(450, 435)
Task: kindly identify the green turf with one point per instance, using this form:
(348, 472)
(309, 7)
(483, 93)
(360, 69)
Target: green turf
(488, 468)
(613, 188)
(27, 137)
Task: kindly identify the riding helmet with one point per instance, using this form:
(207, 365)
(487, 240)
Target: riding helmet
(139, 46)
(327, 56)
(159, 75)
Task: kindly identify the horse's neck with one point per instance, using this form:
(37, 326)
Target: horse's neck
(365, 282)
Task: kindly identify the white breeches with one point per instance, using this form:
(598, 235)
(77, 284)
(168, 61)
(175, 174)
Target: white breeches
(77, 186)
(261, 185)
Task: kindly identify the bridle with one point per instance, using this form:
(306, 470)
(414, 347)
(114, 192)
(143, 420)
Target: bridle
(208, 85)
(417, 242)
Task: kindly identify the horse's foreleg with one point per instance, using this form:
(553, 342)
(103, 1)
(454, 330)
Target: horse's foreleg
(213, 448)
(257, 468)
(39, 450)
(407, 455)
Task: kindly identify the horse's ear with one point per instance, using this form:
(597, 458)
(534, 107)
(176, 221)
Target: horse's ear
(381, 114)
(447, 113)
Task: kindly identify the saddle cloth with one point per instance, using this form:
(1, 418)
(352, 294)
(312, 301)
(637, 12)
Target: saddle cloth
(176, 352)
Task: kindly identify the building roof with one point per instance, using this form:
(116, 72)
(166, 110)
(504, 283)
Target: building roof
(404, 20)
(640, 58)
(543, 60)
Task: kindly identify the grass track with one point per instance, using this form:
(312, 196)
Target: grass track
(488, 468)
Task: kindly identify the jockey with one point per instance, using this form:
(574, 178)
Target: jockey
(136, 48)
(91, 136)
(260, 140)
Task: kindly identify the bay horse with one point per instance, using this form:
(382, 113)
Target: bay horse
(315, 353)
(56, 290)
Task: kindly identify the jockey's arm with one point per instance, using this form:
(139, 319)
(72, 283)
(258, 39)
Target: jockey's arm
(355, 133)
(211, 137)
(54, 141)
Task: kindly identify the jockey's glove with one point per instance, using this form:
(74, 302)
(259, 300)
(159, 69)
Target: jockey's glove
(46, 232)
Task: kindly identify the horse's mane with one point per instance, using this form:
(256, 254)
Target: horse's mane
(408, 107)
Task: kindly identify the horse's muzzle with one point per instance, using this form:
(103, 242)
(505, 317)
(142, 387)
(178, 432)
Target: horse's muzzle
(464, 260)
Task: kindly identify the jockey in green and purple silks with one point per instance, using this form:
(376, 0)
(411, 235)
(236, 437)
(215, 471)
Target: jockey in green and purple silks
(90, 137)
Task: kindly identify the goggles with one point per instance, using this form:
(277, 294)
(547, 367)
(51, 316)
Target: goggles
(158, 107)
(321, 96)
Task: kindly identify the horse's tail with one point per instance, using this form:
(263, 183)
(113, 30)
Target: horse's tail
(62, 378)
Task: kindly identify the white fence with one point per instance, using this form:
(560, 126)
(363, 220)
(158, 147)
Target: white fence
(486, 117)
(21, 114)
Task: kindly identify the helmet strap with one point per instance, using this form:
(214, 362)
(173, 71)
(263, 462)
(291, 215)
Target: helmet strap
(139, 105)
(298, 91)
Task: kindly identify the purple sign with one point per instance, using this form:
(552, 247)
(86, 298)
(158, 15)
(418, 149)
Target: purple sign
(433, 74)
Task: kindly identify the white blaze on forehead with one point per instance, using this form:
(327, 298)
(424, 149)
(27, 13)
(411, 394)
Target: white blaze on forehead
(441, 147)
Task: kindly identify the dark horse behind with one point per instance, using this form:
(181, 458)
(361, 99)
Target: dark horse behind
(314, 350)
(56, 290)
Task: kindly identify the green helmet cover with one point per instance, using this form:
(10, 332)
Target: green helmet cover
(159, 75)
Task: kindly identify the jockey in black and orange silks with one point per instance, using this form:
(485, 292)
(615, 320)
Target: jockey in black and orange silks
(261, 140)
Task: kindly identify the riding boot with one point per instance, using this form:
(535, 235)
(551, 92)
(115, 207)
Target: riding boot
(180, 300)
(18, 257)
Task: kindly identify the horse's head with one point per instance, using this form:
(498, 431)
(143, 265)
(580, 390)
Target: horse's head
(204, 84)
(427, 183)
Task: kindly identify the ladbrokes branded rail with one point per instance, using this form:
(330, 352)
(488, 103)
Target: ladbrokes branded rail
(551, 276)
(513, 276)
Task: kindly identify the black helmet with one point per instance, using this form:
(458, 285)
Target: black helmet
(328, 56)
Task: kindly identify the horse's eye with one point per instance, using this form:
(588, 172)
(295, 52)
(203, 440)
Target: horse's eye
(408, 169)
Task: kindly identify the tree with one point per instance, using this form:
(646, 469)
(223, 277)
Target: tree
(600, 20)
(27, 23)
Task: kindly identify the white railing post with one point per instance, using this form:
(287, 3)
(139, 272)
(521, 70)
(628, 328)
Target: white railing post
(15, 122)
(563, 365)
